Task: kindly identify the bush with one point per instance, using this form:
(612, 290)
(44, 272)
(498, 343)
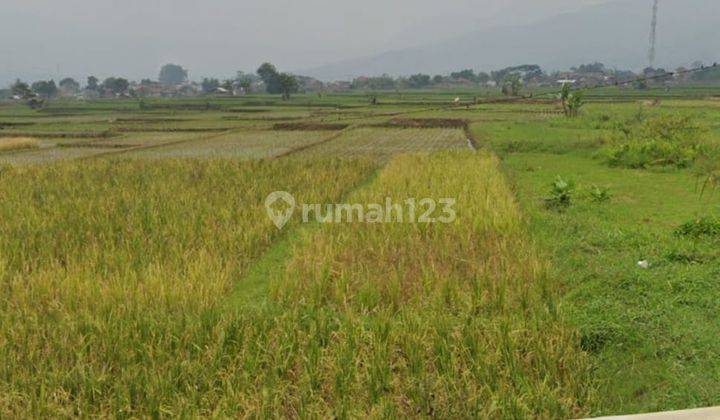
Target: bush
(706, 226)
(572, 101)
(560, 194)
(599, 194)
(656, 142)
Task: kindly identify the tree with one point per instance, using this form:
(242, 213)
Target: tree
(288, 84)
(92, 83)
(526, 72)
(210, 85)
(245, 84)
(571, 101)
(419, 81)
(482, 77)
(172, 74)
(270, 76)
(245, 81)
(512, 84)
(590, 68)
(116, 85)
(267, 71)
(45, 88)
(467, 74)
(228, 84)
(640, 84)
(383, 82)
(69, 85)
(708, 74)
(21, 89)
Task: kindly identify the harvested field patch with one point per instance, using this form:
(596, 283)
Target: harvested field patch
(154, 139)
(172, 130)
(248, 110)
(101, 145)
(12, 124)
(261, 119)
(519, 101)
(381, 144)
(425, 123)
(182, 107)
(61, 134)
(45, 156)
(309, 127)
(554, 111)
(257, 144)
(148, 119)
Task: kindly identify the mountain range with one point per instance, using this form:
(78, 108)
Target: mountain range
(616, 34)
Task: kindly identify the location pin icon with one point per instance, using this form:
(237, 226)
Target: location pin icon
(280, 207)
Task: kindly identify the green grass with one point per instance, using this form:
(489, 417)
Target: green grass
(650, 332)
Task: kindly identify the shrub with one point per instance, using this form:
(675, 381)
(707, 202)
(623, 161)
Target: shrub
(560, 194)
(599, 194)
(571, 101)
(707, 167)
(656, 142)
(706, 226)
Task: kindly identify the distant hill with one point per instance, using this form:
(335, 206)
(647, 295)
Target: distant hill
(616, 34)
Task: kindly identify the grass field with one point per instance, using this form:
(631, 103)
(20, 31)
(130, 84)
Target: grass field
(142, 277)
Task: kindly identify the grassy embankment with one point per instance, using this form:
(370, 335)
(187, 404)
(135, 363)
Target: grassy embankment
(650, 333)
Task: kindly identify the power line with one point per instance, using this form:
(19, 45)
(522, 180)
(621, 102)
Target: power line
(617, 83)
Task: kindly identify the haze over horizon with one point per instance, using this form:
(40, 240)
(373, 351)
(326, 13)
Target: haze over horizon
(216, 38)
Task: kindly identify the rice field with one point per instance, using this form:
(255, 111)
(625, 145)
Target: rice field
(9, 144)
(142, 277)
(383, 143)
(240, 145)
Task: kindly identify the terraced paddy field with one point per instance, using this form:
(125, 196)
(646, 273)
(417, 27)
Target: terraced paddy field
(382, 143)
(244, 144)
(142, 277)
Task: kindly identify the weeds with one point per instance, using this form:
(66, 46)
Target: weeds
(561, 193)
(656, 142)
(704, 227)
(599, 194)
(572, 102)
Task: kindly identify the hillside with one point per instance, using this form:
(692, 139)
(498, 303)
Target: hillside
(614, 33)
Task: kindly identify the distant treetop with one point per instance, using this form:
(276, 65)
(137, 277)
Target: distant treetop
(172, 74)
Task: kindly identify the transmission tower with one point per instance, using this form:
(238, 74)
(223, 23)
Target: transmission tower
(653, 34)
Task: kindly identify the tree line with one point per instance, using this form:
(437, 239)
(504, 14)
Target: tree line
(267, 78)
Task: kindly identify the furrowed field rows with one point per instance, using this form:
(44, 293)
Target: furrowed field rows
(50, 150)
(110, 271)
(50, 155)
(383, 143)
(240, 145)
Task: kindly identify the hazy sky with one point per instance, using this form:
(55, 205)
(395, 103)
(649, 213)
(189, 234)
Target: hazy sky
(53, 38)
